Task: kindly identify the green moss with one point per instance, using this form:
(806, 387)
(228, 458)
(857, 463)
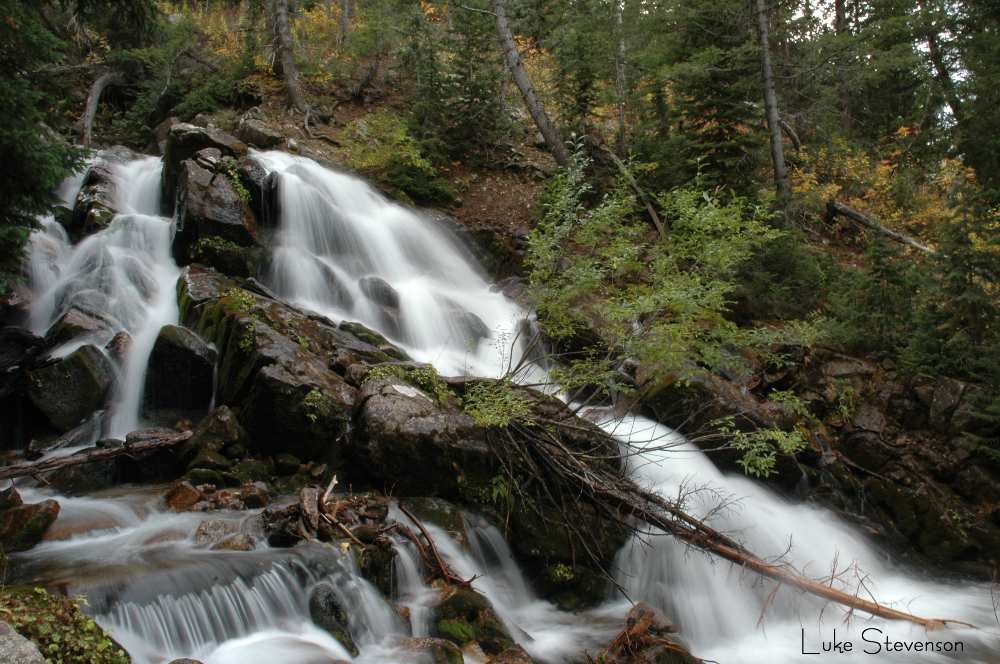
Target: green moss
(457, 631)
(423, 377)
(559, 573)
(58, 626)
(497, 404)
(229, 170)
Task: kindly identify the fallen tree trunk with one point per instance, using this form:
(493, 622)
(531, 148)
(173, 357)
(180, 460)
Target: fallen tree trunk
(834, 208)
(567, 475)
(99, 454)
(97, 88)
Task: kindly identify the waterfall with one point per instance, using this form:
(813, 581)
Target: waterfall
(345, 251)
(124, 275)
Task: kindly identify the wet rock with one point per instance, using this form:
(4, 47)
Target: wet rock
(9, 497)
(255, 132)
(465, 616)
(255, 494)
(74, 324)
(181, 371)
(86, 433)
(162, 131)
(327, 613)
(23, 526)
(119, 347)
(869, 417)
(186, 660)
(227, 256)
(96, 203)
(15, 649)
(217, 431)
(257, 181)
(183, 142)
(372, 337)
(69, 389)
(432, 650)
(213, 531)
(235, 542)
(87, 477)
(211, 460)
(199, 476)
(210, 205)
(182, 496)
(379, 291)
(512, 655)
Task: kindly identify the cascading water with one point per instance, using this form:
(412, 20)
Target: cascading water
(123, 275)
(346, 252)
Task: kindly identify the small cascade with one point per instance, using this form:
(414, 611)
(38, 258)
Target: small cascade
(122, 276)
(345, 251)
(418, 597)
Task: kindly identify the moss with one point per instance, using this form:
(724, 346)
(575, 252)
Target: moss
(58, 626)
(423, 377)
(457, 631)
(252, 470)
(559, 573)
(497, 404)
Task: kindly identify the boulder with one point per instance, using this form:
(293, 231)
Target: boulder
(947, 395)
(465, 616)
(210, 205)
(257, 133)
(9, 497)
(182, 143)
(327, 612)
(76, 323)
(379, 291)
(181, 372)
(217, 431)
(69, 389)
(23, 526)
(89, 477)
(182, 496)
(512, 655)
(96, 203)
(15, 649)
(119, 347)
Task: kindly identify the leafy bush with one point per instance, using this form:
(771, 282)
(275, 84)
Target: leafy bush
(380, 145)
(58, 626)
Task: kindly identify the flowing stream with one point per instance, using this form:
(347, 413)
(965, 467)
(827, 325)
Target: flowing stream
(346, 252)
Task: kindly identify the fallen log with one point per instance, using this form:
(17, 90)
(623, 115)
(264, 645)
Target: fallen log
(541, 452)
(99, 454)
(100, 84)
(834, 208)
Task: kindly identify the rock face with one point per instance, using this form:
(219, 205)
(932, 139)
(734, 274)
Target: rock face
(15, 649)
(209, 204)
(326, 611)
(180, 372)
(69, 389)
(23, 526)
(284, 366)
(183, 142)
(257, 133)
(95, 204)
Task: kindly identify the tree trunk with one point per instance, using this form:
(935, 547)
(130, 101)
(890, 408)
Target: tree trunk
(941, 73)
(102, 83)
(517, 71)
(833, 208)
(620, 80)
(839, 17)
(771, 107)
(99, 454)
(345, 20)
(284, 53)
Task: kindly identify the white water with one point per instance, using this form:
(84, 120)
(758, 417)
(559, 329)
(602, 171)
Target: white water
(238, 607)
(125, 273)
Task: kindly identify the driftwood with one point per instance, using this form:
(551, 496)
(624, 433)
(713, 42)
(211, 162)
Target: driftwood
(97, 88)
(567, 475)
(834, 208)
(100, 454)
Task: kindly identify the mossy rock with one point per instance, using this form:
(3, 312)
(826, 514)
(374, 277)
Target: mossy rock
(376, 564)
(465, 617)
(252, 470)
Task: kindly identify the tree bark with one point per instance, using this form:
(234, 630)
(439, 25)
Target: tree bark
(517, 71)
(102, 83)
(345, 20)
(839, 17)
(284, 52)
(620, 81)
(771, 107)
(833, 208)
(941, 73)
(99, 454)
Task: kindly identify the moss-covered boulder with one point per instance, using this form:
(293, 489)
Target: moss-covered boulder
(69, 389)
(183, 142)
(464, 616)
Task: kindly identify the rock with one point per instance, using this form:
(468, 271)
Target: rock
(379, 291)
(9, 497)
(86, 433)
(512, 655)
(947, 395)
(88, 477)
(118, 348)
(432, 651)
(206, 458)
(217, 431)
(210, 205)
(212, 531)
(181, 370)
(69, 389)
(255, 494)
(186, 660)
(255, 132)
(182, 496)
(182, 143)
(465, 616)
(235, 542)
(15, 649)
(75, 324)
(199, 476)
(23, 526)
(869, 417)
(652, 619)
(328, 614)
(96, 203)
(372, 337)
(286, 464)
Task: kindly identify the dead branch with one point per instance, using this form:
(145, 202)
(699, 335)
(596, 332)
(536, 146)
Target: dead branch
(643, 196)
(445, 570)
(100, 84)
(98, 454)
(834, 208)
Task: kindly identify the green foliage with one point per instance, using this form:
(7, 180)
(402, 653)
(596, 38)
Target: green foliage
(560, 573)
(35, 158)
(380, 145)
(314, 404)
(424, 377)
(497, 404)
(760, 447)
(232, 174)
(58, 626)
